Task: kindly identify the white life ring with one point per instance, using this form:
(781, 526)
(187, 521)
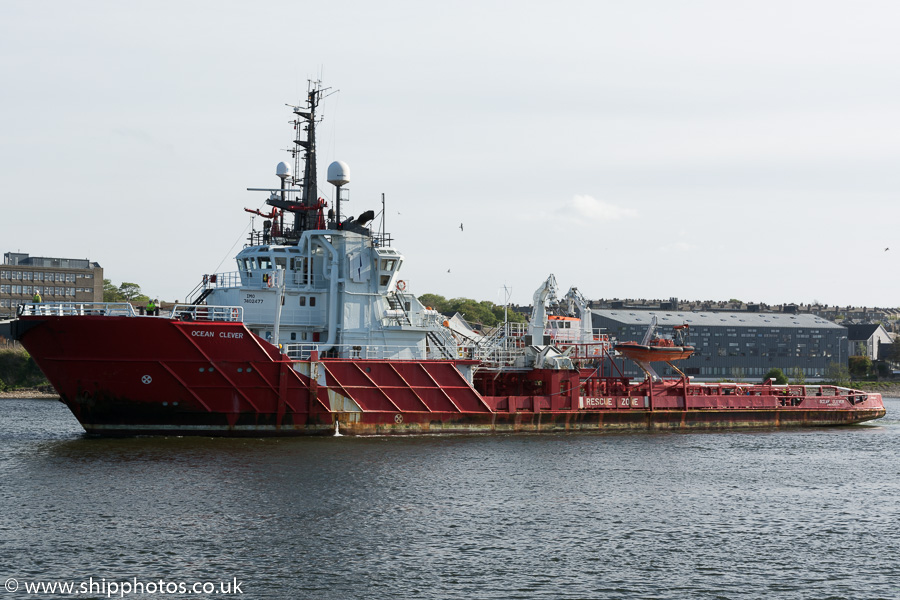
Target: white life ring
(401, 286)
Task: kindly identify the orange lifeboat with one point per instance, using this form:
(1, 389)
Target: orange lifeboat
(660, 350)
(657, 349)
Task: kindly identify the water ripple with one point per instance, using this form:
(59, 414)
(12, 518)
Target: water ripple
(790, 514)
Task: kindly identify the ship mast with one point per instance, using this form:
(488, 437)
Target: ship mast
(305, 150)
(301, 196)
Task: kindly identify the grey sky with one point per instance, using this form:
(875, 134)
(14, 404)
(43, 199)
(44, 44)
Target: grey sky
(704, 150)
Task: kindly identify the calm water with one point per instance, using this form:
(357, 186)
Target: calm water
(786, 514)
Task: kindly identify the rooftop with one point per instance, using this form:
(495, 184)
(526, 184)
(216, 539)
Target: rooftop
(23, 259)
(633, 316)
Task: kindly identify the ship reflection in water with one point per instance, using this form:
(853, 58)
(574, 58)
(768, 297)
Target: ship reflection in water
(805, 513)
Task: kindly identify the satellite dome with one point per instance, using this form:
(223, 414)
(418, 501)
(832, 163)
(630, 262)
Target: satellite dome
(283, 170)
(338, 173)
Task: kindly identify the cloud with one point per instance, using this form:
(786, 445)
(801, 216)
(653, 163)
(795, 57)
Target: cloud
(678, 247)
(587, 207)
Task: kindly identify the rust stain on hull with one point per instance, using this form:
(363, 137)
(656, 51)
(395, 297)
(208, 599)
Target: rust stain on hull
(544, 422)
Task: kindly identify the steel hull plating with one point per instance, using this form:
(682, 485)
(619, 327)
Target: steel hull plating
(134, 376)
(544, 422)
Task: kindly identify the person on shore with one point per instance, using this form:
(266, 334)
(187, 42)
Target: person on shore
(151, 307)
(37, 297)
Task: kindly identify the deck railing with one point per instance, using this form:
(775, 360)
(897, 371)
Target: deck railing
(125, 309)
(233, 279)
(65, 309)
(365, 352)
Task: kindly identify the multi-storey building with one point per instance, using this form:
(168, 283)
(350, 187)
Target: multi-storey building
(55, 279)
(737, 345)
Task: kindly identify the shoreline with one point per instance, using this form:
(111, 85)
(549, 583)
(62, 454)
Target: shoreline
(34, 393)
(887, 390)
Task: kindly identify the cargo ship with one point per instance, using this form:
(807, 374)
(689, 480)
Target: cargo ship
(316, 332)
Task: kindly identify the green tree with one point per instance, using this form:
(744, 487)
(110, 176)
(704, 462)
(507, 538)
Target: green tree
(127, 292)
(130, 291)
(484, 312)
(511, 315)
(435, 301)
(797, 376)
(860, 366)
(895, 352)
(837, 373)
(18, 369)
(777, 375)
(110, 292)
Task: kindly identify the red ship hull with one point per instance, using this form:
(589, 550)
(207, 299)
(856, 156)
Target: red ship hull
(132, 376)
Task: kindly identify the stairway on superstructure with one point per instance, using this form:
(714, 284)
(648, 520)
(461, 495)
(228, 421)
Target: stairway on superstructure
(396, 304)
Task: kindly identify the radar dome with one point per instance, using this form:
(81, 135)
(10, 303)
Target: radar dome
(338, 173)
(283, 170)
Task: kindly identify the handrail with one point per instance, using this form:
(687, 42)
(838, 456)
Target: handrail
(125, 309)
(64, 309)
(203, 312)
(356, 351)
(232, 279)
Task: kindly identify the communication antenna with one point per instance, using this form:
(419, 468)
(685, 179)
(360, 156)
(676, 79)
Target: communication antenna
(507, 293)
(338, 176)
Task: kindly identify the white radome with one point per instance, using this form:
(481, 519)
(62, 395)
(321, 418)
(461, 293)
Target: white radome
(283, 170)
(338, 173)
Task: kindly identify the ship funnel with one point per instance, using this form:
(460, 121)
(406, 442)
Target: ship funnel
(338, 173)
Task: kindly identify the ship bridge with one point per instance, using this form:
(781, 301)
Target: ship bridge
(255, 263)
